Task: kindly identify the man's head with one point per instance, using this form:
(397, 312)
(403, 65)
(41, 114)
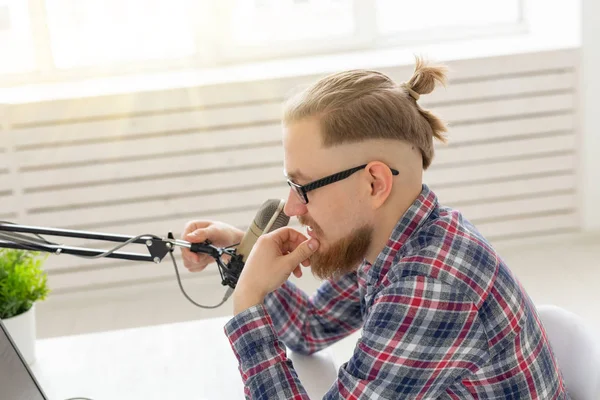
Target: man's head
(353, 119)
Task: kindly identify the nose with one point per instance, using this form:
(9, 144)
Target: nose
(293, 205)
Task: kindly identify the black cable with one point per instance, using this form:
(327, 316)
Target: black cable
(225, 297)
(24, 240)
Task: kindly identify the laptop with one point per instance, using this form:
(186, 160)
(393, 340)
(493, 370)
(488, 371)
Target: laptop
(17, 381)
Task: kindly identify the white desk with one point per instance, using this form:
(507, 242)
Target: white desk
(190, 360)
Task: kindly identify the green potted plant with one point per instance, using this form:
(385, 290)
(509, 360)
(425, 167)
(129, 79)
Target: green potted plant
(22, 283)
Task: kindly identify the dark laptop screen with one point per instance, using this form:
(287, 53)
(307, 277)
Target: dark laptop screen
(16, 380)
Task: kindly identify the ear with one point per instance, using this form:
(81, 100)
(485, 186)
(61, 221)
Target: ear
(381, 179)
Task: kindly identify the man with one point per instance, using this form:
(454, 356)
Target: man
(442, 315)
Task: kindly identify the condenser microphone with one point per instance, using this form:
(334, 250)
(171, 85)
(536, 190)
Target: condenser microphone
(269, 217)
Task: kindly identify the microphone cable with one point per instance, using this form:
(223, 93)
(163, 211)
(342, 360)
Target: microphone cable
(27, 241)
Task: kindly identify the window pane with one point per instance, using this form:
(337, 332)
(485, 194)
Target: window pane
(260, 22)
(399, 16)
(105, 32)
(16, 42)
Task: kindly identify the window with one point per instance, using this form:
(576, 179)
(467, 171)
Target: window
(109, 32)
(262, 22)
(68, 38)
(401, 16)
(16, 40)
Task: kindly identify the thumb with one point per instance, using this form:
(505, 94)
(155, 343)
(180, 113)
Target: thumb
(302, 252)
(199, 235)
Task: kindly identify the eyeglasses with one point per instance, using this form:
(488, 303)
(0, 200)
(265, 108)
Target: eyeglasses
(302, 190)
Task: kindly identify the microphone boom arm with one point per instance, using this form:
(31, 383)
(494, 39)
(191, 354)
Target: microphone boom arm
(269, 217)
(157, 247)
(23, 237)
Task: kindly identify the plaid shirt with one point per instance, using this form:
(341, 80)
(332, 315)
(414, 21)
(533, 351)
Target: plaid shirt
(442, 317)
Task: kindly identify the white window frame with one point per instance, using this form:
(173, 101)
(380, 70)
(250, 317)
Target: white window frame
(213, 55)
(366, 37)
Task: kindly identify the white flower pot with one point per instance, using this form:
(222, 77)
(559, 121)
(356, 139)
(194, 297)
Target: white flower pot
(22, 330)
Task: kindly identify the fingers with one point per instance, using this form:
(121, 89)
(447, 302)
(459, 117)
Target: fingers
(288, 238)
(302, 253)
(194, 226)
(196, 232)
(201, 234)
(205, 261)
(189, 258)
(297, 272)
(197, 268)
(194, 262)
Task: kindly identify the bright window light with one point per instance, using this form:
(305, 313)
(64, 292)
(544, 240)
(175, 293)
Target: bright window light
(261, 22)
(107, 32)
(71, 39)
(395, 16)
(16, 41)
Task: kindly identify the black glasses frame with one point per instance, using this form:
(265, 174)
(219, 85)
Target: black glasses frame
(302, 190)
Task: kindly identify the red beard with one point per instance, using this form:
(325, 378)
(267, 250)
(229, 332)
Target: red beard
(341, 257)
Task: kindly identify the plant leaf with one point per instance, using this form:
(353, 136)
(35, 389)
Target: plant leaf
(22, 281)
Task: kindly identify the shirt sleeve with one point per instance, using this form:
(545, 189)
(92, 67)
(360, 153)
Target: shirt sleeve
(308, 324)
(266, 371)
(420, 337)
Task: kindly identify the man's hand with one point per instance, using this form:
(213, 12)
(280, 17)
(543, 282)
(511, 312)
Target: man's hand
(271, 262)
(219, 233)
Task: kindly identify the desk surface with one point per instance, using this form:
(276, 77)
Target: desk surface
(189, 360)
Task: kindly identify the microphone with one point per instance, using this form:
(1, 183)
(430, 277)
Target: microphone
(270, 216)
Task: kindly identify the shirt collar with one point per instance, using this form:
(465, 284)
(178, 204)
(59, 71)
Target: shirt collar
(412, 219)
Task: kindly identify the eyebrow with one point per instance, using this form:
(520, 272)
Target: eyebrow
(294, 175)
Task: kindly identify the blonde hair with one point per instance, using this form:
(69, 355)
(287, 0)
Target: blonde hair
(358, 105)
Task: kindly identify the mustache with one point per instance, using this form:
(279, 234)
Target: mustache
(308, 222)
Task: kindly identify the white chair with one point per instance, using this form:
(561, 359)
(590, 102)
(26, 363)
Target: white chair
(577, 351)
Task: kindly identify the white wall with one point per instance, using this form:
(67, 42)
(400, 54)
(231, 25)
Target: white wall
(149, 161)
(590, 102)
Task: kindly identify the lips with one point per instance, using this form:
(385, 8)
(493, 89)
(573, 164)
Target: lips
(311, 231)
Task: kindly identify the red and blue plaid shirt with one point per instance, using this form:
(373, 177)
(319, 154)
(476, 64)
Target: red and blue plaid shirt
(442, 317)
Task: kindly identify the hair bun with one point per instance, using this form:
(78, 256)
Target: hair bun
(425, 77)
